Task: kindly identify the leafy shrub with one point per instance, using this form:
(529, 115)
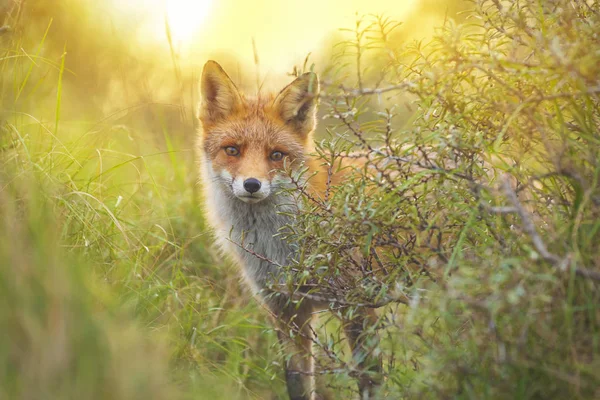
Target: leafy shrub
(472, 217)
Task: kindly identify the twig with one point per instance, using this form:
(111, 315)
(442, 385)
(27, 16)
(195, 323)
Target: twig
(255, 254)
(341, 302)
(498, 210)
(350, 93)
(538, 243)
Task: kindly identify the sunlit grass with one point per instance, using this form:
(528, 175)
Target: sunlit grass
(108, 219)
(135, 226)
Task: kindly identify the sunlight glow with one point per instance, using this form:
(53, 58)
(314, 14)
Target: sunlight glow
(185, 17)
(284, 31)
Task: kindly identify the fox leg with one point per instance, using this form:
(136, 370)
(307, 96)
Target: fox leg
(370, 366)
(299, 366)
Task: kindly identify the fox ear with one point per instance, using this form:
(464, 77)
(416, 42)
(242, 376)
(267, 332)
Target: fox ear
(296, 104)
(219, 95)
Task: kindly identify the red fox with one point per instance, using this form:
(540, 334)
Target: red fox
(243, 145)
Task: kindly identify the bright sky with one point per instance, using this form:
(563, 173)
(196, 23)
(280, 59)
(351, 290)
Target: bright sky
(284, 30)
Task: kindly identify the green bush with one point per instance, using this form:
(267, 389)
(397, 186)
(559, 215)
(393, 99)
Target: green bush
(472, 209)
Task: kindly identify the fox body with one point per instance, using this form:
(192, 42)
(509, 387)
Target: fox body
(244, 144)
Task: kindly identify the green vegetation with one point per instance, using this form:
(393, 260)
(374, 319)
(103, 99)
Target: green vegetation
(110, 286)
(475, 224)
(477, 217)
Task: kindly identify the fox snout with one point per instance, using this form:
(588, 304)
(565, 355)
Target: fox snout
(249, 189)
(252, 185)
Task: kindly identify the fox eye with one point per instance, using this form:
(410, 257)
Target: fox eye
(231, 151)
(276, 156)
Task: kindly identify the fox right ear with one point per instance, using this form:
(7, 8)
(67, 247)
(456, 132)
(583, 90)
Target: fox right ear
(219, 95)
(296, 104)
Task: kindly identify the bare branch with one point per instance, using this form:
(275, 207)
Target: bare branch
(350, 93)
(498, 210)
(529, 228)
(341, 302)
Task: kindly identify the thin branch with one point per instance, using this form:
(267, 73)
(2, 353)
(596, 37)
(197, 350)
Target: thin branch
(536, 239)
(255, 254)
(342, 302)
(498, 210)
(350, 93)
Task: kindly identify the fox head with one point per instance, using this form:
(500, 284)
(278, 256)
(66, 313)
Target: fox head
(245, 142)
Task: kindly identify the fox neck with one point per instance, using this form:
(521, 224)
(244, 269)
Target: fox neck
(249, 232)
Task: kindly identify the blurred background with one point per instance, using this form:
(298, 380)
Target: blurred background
(139, 56)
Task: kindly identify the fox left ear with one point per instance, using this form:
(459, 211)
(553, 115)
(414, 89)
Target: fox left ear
(296, 104)
(219, 95)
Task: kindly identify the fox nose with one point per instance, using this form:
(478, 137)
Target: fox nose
(252, 185)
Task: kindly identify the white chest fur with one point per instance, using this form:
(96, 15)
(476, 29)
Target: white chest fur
(249, 233)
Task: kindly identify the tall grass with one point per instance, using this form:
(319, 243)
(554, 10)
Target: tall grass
(111, 288)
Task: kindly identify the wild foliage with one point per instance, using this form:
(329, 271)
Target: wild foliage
(469, 217)
(473, 224)
(111, 288)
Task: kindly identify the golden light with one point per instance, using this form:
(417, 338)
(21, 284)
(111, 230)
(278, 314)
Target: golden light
(185, 17)
(284, 31)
